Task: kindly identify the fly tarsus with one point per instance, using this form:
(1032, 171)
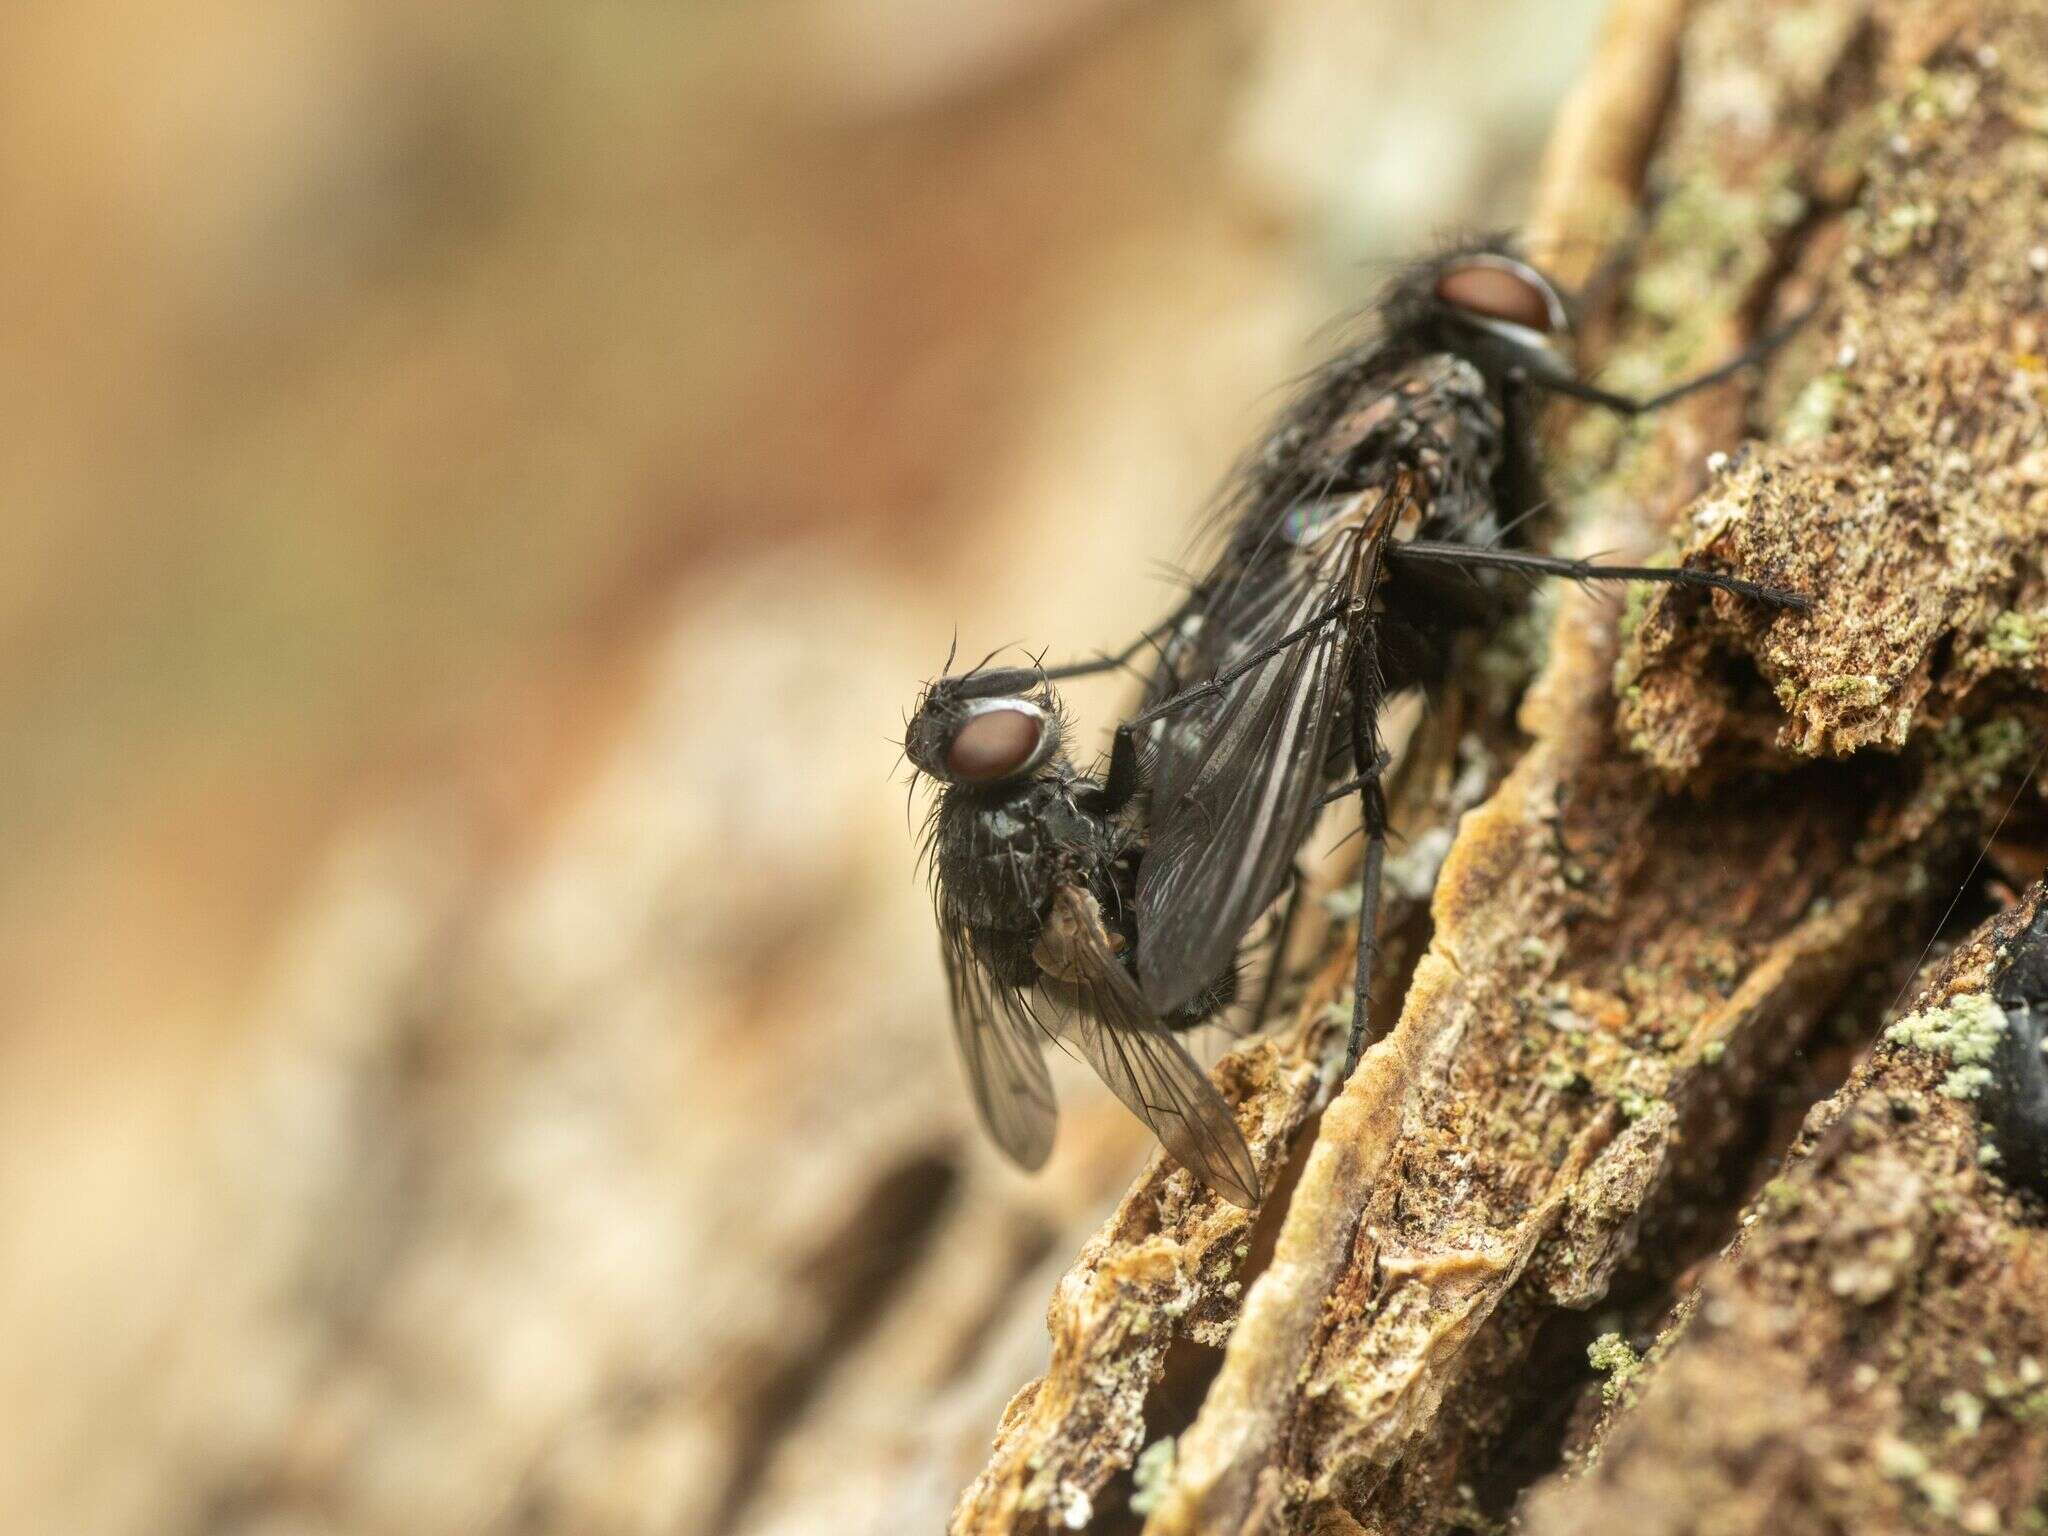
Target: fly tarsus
(1468, 555)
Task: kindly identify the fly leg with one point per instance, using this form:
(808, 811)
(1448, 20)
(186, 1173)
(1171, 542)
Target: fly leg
(1271, 985)
(1429, 552)
(1367, 758)
(1123, 779)
(1353, 786)
(1221, 682)
(1124, 657)
(1630, 405)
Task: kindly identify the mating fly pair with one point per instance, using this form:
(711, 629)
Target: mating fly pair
(1366, 532)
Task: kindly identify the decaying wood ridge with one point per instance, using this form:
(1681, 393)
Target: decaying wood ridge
(1872, 1353)
(1682, 908)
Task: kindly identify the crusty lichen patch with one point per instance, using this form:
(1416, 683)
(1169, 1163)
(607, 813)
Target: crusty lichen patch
(1965, 1032)
(1151, 1475)
(1613, 1357)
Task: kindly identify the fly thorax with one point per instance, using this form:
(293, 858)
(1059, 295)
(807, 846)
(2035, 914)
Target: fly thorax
(996, 859)
(1453, 431)
(1307, 523)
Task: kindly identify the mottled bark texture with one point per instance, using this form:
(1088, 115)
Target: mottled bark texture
(1679, 915)
(565, 1198)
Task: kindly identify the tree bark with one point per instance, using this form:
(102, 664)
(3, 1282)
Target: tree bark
(1716, 855)
(547, 1210)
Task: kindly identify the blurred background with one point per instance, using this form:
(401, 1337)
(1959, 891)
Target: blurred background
(484, 487)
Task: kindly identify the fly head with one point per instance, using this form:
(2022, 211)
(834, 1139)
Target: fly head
(983, 729)
(1487, 305)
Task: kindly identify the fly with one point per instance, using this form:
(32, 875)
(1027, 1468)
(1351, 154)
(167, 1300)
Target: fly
(1362, 534)
(1034, 869)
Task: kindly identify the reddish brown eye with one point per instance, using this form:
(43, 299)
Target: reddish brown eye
(1496, 293)
(993, 745)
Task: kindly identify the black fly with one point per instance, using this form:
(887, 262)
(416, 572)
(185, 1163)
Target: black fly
(2015, 1101)
(1361, 535)
(1034, 868)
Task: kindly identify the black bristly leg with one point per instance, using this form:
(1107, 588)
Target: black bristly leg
(1366, 756)
(1271, 985)
(1628, 405)
(1123, 779)
(1222, 680)
(1106, 663)
(1429, 551)
(1368, 927)
(1353, 786)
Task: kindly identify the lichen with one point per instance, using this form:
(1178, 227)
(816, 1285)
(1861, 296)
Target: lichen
(1634, 1103)
(1966, 1408)
(1151, 1475)
(1854, 688)
(1812, 415)
(1964, 1031)
(1900, 1460)
(2013, 637)
(1614, 1355)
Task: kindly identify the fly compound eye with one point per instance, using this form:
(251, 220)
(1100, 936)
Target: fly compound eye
(994, 744)
(1503, 291)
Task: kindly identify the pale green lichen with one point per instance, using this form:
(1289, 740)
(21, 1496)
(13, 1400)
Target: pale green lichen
(1712, 1052)
(1151, 1475)
(1851, 688)
(2014, 636)
(1612, 1354)
(1943, 1492)
(1964, 1031)
(1976, 761)
(1900, 1460)
(1781, 1197)
(1634, 1103)
(1811, 415)
(1966, 1408)
(1899, 230)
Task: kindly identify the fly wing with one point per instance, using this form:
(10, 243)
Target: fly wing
(1104, 1016)
(1001, 1045)
(1236, 786)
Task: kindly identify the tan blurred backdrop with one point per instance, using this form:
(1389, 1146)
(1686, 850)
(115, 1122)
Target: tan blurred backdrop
(388, 391)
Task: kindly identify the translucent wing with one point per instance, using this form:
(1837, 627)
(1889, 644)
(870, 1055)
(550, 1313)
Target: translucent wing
(1001, 1045)
(1236, 786)
(1104, 1016)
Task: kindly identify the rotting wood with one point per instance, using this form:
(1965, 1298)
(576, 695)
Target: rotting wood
(1872, 1355)
(1677, 882)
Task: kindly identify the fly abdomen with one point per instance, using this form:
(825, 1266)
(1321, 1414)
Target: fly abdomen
(1007, 954)
(2014, 1103)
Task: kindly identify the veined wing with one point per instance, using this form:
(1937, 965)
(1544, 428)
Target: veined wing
(1236, 790)
(1104, 1016)
(1001, 1045)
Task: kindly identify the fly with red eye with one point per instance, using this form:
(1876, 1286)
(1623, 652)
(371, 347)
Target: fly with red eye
(1033, 869)
(1364, 534)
